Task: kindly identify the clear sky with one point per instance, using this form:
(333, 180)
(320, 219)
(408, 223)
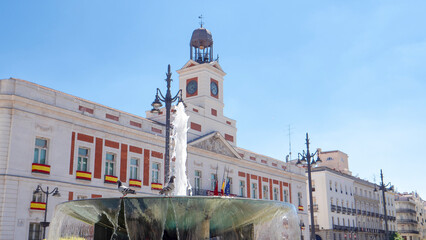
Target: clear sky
(351, 73)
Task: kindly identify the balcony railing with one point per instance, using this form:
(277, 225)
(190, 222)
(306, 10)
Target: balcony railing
(339, 209)
(333, 208)
(364, 212)
(409, 231)
(316, 227)
(353, 211)
(406, 210)
(359, 212)
(344, 210)
(407, 221)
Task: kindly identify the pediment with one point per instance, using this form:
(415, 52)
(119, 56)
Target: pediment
(190, 63)
(215, 142)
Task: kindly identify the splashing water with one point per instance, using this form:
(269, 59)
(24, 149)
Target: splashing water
(180, 129)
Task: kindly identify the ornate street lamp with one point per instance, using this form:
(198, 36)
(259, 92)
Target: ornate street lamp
(55, 193)
(306, 161)
(156, 105)
(384, 188)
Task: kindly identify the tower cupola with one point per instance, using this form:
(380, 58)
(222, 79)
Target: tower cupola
(201, 45)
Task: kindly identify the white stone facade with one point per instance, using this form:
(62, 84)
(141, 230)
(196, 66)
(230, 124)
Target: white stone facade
(30, 113)
(410, 209)
(346, 207)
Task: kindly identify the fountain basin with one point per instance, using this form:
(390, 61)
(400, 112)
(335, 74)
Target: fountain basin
(174, 218)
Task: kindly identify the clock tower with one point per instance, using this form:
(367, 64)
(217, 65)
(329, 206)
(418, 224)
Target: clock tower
(201, 80)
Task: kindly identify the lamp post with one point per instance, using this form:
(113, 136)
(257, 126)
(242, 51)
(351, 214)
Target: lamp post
(306, 161)
(384, 188)
(156, 105)
(55, 193)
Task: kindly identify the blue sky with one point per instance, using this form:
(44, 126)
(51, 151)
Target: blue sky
(351, 73)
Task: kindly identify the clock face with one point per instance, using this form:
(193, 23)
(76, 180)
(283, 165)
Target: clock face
(213, 88)
(191, 88)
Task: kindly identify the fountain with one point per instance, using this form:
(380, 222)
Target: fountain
(177, 217)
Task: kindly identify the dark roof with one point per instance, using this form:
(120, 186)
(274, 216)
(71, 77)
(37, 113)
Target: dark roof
(201, 37)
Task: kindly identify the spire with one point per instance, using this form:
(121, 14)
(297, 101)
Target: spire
(201, 20)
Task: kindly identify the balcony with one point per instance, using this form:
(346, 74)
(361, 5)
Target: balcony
(353, 211)
(83, 175)
(344, 210)
(315, 207)
(333, 208)
(364, 212)
(135, 183)
(407, 221)
(316, 227)
(38, 206)
(409, 231)
(406, 210)
(368, 213)
(156, 186)
(110, 179)
(359, 212)
(40, 168)
(339, 209)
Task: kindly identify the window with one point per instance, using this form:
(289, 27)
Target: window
(299, 198)
(38, 197)
(83, 159)
(213, 178)
(242, 189)
(265, 192)
(134, 168)
(313, 185)
(254, 190)
(197, 179)
(335, 186)
(81, 197)
(109, 164)
(155, 173)
(285, 195)
(40, 151)
(276, 194)
(34, 231)
(331, 185)
(329, 158)
(331, 200)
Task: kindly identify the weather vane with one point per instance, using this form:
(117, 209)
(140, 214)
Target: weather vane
(201, 20)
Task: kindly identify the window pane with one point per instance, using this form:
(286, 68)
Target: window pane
(35, 155)
(41, 143)
(83, 151)
(42, 156)
(134, 161)
(109, 157)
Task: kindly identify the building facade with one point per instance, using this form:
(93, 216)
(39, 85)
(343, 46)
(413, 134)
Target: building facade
(347, 207)
(410, 216)
(53, 139)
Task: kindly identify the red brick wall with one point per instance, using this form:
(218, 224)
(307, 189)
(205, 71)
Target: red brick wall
(85, 138)
(112, 144)
(146, 167)
(135, 149)
(123, 163)
(248, 185)
(196, 127)
(70, 196)
(98, 158)
(229, 137)
(72, 153)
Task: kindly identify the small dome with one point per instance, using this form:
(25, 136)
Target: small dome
(201, 38)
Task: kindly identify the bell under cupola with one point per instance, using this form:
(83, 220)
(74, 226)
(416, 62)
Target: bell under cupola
(201, 45)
